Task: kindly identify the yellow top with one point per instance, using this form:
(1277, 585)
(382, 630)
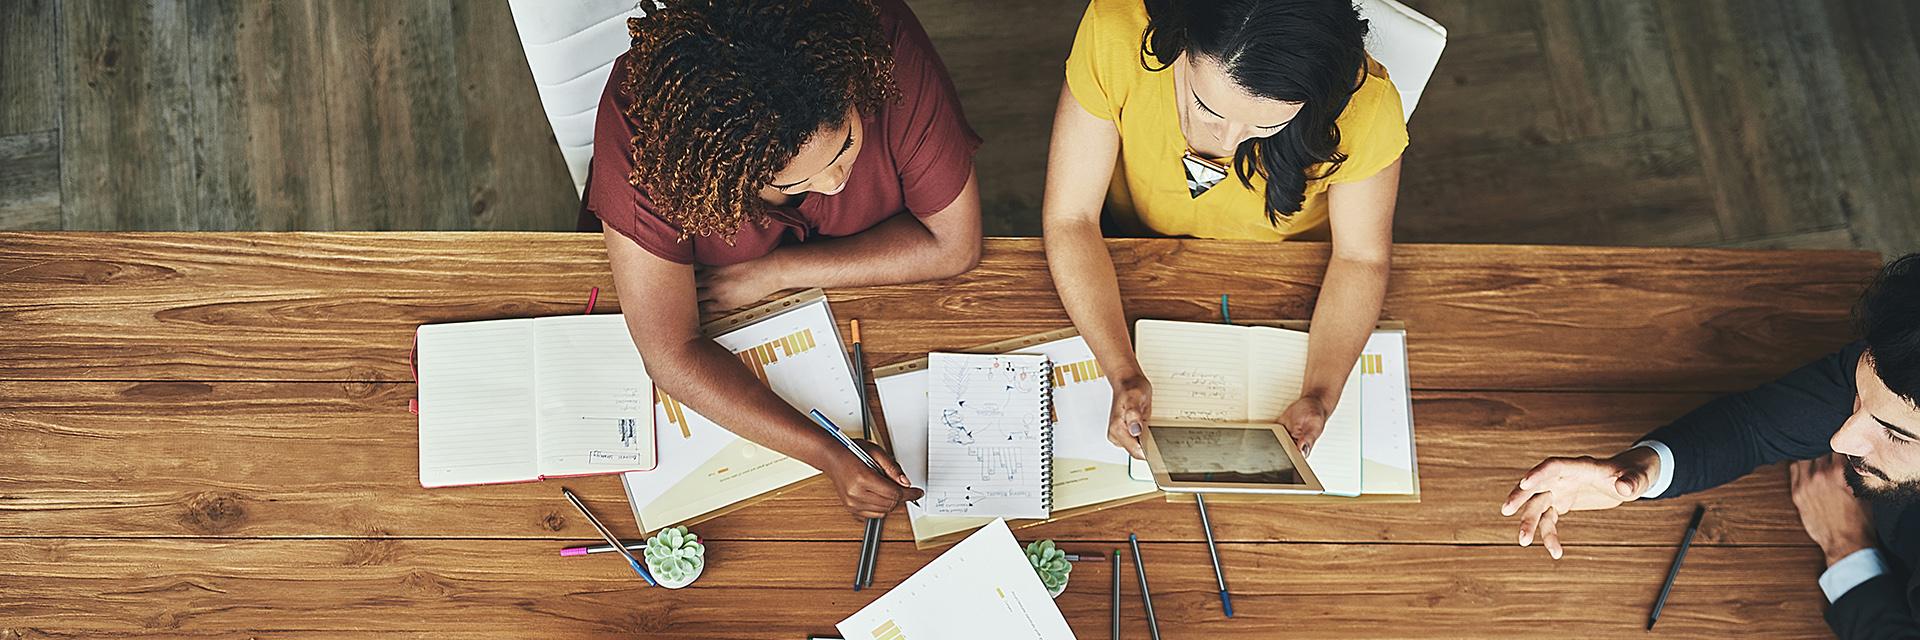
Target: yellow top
(1149, 190)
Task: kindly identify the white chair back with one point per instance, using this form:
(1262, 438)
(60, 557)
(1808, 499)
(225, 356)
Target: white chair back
(1406, 43)
(571, 47)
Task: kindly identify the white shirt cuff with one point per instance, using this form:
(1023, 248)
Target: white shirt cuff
(1665, 478)
(1859, 566)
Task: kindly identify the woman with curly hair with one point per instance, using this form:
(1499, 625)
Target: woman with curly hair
(744, 147)
(1241, 119)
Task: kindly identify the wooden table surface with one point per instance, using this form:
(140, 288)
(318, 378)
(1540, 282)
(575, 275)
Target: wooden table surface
(206, 435)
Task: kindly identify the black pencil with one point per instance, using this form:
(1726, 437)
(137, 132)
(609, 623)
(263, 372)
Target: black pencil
(1674, 571)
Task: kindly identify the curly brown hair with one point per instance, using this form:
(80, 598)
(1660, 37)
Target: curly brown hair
(723, 93)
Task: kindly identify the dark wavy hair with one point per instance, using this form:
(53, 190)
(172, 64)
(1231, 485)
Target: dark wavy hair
(1311, 52)
(1889, 317)
(723, 93)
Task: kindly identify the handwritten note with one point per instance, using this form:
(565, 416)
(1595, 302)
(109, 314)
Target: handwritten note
(988, 430)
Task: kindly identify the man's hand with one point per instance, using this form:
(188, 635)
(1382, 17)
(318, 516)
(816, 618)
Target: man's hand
(736, 285)
(867, 493)
(1559, 485)
(1305, 420)
(1132, 408)
(1836, 520)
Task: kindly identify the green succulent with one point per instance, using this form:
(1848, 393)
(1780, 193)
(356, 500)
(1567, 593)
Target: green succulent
(1050, 563)
(675, 555)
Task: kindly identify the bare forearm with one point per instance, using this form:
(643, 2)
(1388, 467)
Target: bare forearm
(1343, 318)
(898, 250)
(706, 377)
(1083, 274)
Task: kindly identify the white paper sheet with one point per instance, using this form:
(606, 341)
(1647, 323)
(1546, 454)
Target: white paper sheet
(596, 401)
(981, 588)
(476, 403)
(1386, 415)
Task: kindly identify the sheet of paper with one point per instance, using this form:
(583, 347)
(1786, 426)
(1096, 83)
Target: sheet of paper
(798, 353)
(596, 401)
(476, 403)
(1386, 415)
(987, 429)
(980, 588)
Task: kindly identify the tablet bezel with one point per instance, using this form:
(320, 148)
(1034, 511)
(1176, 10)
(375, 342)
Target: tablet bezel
(1310, 485)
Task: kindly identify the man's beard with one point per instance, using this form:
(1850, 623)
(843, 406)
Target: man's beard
(1897, 494)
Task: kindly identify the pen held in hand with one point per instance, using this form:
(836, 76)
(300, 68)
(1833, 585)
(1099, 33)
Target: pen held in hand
(821, 419)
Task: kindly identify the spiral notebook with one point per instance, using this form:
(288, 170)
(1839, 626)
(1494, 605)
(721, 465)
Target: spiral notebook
(989, 435)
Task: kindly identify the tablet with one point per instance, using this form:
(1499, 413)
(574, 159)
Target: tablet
(1226, 457)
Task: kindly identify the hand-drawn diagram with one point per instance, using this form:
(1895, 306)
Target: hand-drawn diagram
(987, 439)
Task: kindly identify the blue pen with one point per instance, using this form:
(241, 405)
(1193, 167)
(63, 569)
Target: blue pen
(824, 423)
(1219, 575)
(605, 533)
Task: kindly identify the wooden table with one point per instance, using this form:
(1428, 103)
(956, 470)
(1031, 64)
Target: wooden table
(206, 435)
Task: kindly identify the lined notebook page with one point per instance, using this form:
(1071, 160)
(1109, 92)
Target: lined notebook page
(596, 401)
(476, 403)
(1199, 371)
(1279, 365)
(986, 431)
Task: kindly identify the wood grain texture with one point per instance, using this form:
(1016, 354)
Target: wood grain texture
(343, 307)
(29, 69)
(261, 158)
(467, 588)
(126, 68)
(1608, 60)
(30, 181)
(237, 460)
(1009, 81)
(1777, 164)
(1458, 198)
(1880, 66)
(394, 115)
(516, 178)
(1488, 92)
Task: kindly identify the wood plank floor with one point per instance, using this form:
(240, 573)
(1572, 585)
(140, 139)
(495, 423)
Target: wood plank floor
(208, 437)
(1745, 123)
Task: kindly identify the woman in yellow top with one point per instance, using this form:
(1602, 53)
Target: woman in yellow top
(1245, 119)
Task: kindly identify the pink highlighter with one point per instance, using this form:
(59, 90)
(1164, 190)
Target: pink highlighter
(600, 548)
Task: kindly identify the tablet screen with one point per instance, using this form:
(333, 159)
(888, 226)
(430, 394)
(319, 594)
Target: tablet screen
(1212, 454)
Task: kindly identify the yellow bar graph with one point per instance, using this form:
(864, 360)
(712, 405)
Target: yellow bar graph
(1081, 371)
(1372, 363)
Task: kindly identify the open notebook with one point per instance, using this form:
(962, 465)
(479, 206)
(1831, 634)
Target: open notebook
(989, 435)
(1089, 473)
(524, 399)
(1226, 373)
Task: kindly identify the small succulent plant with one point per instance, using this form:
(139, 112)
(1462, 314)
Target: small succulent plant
(675, 555)
(1050, 563)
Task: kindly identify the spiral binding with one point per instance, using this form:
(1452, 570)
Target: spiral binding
(1046, 435)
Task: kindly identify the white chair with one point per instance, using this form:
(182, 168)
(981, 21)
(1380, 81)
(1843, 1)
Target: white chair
(571, 47)
(1406, 43)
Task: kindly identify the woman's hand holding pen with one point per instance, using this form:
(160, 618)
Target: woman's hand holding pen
(865, 492)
